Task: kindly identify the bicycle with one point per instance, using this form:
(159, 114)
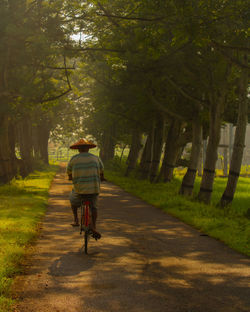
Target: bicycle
(85, 223)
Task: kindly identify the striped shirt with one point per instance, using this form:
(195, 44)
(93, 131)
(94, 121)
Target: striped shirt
(85, 169)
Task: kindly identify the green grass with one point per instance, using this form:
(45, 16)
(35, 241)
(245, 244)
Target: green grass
(232, 225)
(22, 205)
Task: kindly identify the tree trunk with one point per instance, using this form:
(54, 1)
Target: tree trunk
(147, 155)
(239, 143)
(6, 170)
(189, 178)
(25, 144)
(43, 140)
(171, 151)
(206, 188)
(157, 147)
(40, 131)
(107, 151)
(123, 149)
(8, 167)
(12, 146)
(35, 142)
(134, 151)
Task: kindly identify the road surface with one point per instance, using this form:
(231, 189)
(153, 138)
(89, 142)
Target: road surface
(146, 261)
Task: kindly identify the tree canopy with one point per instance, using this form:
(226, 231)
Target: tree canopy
(111, 69)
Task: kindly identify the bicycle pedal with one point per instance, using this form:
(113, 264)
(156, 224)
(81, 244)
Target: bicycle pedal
(96, 236)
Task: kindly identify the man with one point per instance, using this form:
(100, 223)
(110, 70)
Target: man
(86, 171)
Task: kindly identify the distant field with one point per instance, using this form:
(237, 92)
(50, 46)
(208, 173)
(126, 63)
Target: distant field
(64, 154)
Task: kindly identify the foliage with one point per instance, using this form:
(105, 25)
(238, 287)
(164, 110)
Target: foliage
(147, 56)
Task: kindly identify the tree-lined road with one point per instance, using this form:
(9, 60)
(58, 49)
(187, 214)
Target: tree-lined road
(146, 261)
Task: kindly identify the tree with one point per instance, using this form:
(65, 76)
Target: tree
(31, 45)
(239, 139)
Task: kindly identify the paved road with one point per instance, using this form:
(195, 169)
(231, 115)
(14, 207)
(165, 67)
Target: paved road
(146, 261)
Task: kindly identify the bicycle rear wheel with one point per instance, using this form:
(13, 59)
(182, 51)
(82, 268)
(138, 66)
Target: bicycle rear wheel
(87, 218)
(82, 218)
(86, 239)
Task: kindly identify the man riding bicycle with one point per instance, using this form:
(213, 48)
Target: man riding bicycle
(86, 171)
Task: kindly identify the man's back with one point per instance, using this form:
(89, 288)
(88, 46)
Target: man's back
(85, 169)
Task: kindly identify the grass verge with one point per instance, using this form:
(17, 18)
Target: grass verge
(232, 225)
(22, 204)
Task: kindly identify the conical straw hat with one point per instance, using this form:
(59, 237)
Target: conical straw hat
(81, 143)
